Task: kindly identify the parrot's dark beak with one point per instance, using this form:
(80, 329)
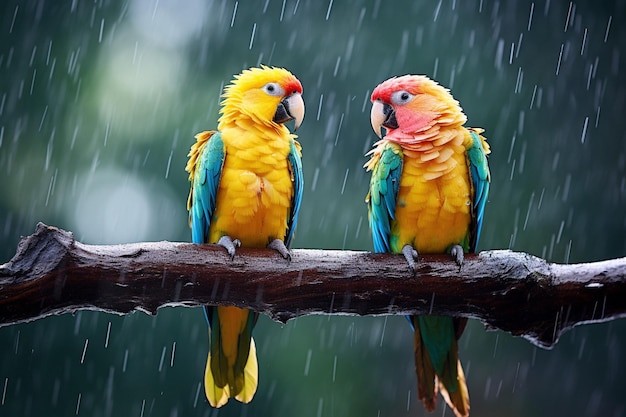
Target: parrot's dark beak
(382, 115)
(390, 117)
(290, 108)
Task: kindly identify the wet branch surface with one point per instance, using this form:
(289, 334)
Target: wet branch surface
(51, 273)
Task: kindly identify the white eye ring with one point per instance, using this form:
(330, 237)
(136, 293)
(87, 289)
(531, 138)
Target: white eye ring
(401, 97)
(273, 89)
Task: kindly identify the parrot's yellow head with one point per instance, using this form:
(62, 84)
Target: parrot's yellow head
(268, 95)
(413, 104)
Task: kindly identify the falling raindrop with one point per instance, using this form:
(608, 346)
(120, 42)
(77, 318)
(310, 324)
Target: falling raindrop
(17, 341)
(570, 16)
(162, 358)
(252, 36)
(515, 379)
(487, 388)
(82, 358)
(382, 333)
(584, 133)
(530, 203)
(78, 403)
(345, 178)
(608, 26)
(169, 163)
(436, 14)
(339, 130)
(4, 390)
(568, 251)
(307, 364)
(315, 176)
(106, 340)
(125, 360)
(43, 118)
(232, 19)
(408, 400)
(101, 31)
(319, 107)
(558, 64)
(530, 16)
(330, 6)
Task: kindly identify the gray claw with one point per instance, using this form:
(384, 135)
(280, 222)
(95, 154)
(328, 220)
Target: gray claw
(457, 255)
(410, 254)
(230, 245)
(279, 246)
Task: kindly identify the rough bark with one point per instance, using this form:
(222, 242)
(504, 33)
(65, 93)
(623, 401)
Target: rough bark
(51, 273)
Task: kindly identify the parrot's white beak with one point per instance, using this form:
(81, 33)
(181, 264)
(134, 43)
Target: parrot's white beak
(290, 108)
(378, 117)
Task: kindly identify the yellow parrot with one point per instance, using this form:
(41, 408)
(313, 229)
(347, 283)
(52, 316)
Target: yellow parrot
(246, 189)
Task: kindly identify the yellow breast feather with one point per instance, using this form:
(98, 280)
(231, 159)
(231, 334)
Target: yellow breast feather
(433, 205)
(256, 190)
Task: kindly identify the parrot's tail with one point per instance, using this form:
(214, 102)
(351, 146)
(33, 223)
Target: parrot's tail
(232, 370)
(458, 400)
(426, 387)
(218, 396)
(451, 383)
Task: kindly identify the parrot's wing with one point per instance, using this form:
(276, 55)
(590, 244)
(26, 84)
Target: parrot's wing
(295, 167)
(383, 194)
(479, 173)
(206, 160)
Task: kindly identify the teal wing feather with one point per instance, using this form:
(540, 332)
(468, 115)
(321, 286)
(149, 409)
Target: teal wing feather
(480, 176)
(209, 161)
(295, 168)
(383, 193)
(206, 180)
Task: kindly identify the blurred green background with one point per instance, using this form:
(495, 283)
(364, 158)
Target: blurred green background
(99, 102)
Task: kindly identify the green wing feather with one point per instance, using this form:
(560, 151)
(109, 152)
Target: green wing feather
(383, 194)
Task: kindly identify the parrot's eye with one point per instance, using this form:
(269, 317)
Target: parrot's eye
(401, 97)
(273, 89)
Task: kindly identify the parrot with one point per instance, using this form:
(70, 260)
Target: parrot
(246, 190)
(427, 194)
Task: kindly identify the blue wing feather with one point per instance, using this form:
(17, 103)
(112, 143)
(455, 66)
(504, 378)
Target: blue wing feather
(295, 167)
(384, 187)
(479, 173)
(206, 180)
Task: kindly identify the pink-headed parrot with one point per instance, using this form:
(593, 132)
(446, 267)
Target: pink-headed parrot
(246, 189)
(428, 190)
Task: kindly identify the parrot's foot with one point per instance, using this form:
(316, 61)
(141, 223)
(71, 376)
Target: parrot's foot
(229, 244)
(457, 255)
(279, 246)
(410, 254)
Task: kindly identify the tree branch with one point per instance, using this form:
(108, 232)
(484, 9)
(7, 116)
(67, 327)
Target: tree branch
(51, 273)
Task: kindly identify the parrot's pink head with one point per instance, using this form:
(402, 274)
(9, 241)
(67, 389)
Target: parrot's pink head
(411, 104)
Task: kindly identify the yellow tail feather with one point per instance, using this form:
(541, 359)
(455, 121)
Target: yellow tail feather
(251, 376)
(218, 396)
